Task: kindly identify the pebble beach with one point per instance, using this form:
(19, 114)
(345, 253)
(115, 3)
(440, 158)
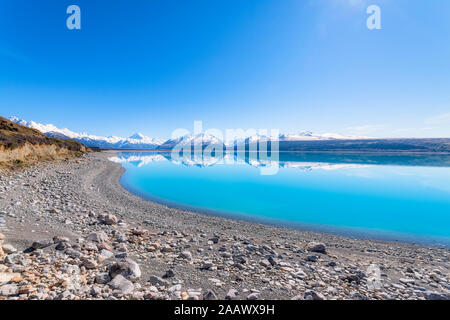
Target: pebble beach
(69, 230)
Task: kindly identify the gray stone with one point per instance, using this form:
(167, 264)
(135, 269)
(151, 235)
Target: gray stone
(120, 237)
(41, 244)
(186, 255)
(214, 240)
(265, 263)
(58, 239)
(127, 268)
(90, 264)
(316, 247)
(433, 295)
(9, 290)
(95, 291)
(121, 283)
(232, 294)
(108, 219)
(90, 246)
(158, 281)
(169, 274)
(74, 254)
(14, 258)
(273, 261)
(312, 295)
(253, 296)
(209, 295)
(8, 248)
(175, 288)
(406, 280)
(61, 246)
(5, 277)
(105, 254)
(99, 236)
(102, 278)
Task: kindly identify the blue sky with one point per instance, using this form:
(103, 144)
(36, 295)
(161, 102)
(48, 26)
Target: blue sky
(152, 66)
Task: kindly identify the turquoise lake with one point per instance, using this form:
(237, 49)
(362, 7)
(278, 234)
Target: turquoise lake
(384, 197)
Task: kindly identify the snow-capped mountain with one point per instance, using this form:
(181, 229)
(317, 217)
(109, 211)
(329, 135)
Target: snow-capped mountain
(136, 141)
(206, 161)
(309, 136)
(191, 140)
(138, 160)
(139, 141)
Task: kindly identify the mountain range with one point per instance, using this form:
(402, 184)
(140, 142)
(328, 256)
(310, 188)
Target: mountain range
(139, 141)
(136, 141)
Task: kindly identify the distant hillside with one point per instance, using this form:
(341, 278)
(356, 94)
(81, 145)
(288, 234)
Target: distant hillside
(370, 145)
(303, 141)
(23, 145)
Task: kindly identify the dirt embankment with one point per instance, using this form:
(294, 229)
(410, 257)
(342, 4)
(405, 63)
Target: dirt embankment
(21, 146)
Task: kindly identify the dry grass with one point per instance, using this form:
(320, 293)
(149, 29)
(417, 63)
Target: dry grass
(22, 146)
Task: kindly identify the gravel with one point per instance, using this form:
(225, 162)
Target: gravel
(70, 231)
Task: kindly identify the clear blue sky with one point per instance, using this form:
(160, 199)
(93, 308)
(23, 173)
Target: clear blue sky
(152, 66)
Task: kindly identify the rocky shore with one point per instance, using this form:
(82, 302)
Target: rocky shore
(68, 230)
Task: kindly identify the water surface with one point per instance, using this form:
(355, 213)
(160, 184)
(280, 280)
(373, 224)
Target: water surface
(389, 197)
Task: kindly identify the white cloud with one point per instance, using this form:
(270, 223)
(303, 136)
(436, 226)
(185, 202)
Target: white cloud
(440, 119)
(365, 129)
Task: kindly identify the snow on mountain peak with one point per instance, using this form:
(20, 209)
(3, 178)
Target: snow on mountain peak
(137, 140)
(137, 136)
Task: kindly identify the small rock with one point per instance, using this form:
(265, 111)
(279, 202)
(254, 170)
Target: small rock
(433, 295)
(58, 239)
(186, 255)
(406, 280)
(104, 255)
(127, 268)
(120, 237)
(169, 274)
(99, 236)
(253, 296)
(167, 249)
(120, 283)
(175, 288)
(6, 277)
(209, 295)
(158, 281)
(312, 295)
(41, 244)
(90, 264)
(232, 293)
(9, 290)
(108, 219)
(265, 263)
(273, 261)
(74, 254)
(102, 278)
(7, 248)
(214, 240)
(316, 247)
(62, 246)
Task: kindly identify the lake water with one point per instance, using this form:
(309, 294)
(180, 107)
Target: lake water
(388, 197)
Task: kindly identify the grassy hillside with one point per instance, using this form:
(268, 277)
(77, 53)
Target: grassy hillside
(23, 145)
